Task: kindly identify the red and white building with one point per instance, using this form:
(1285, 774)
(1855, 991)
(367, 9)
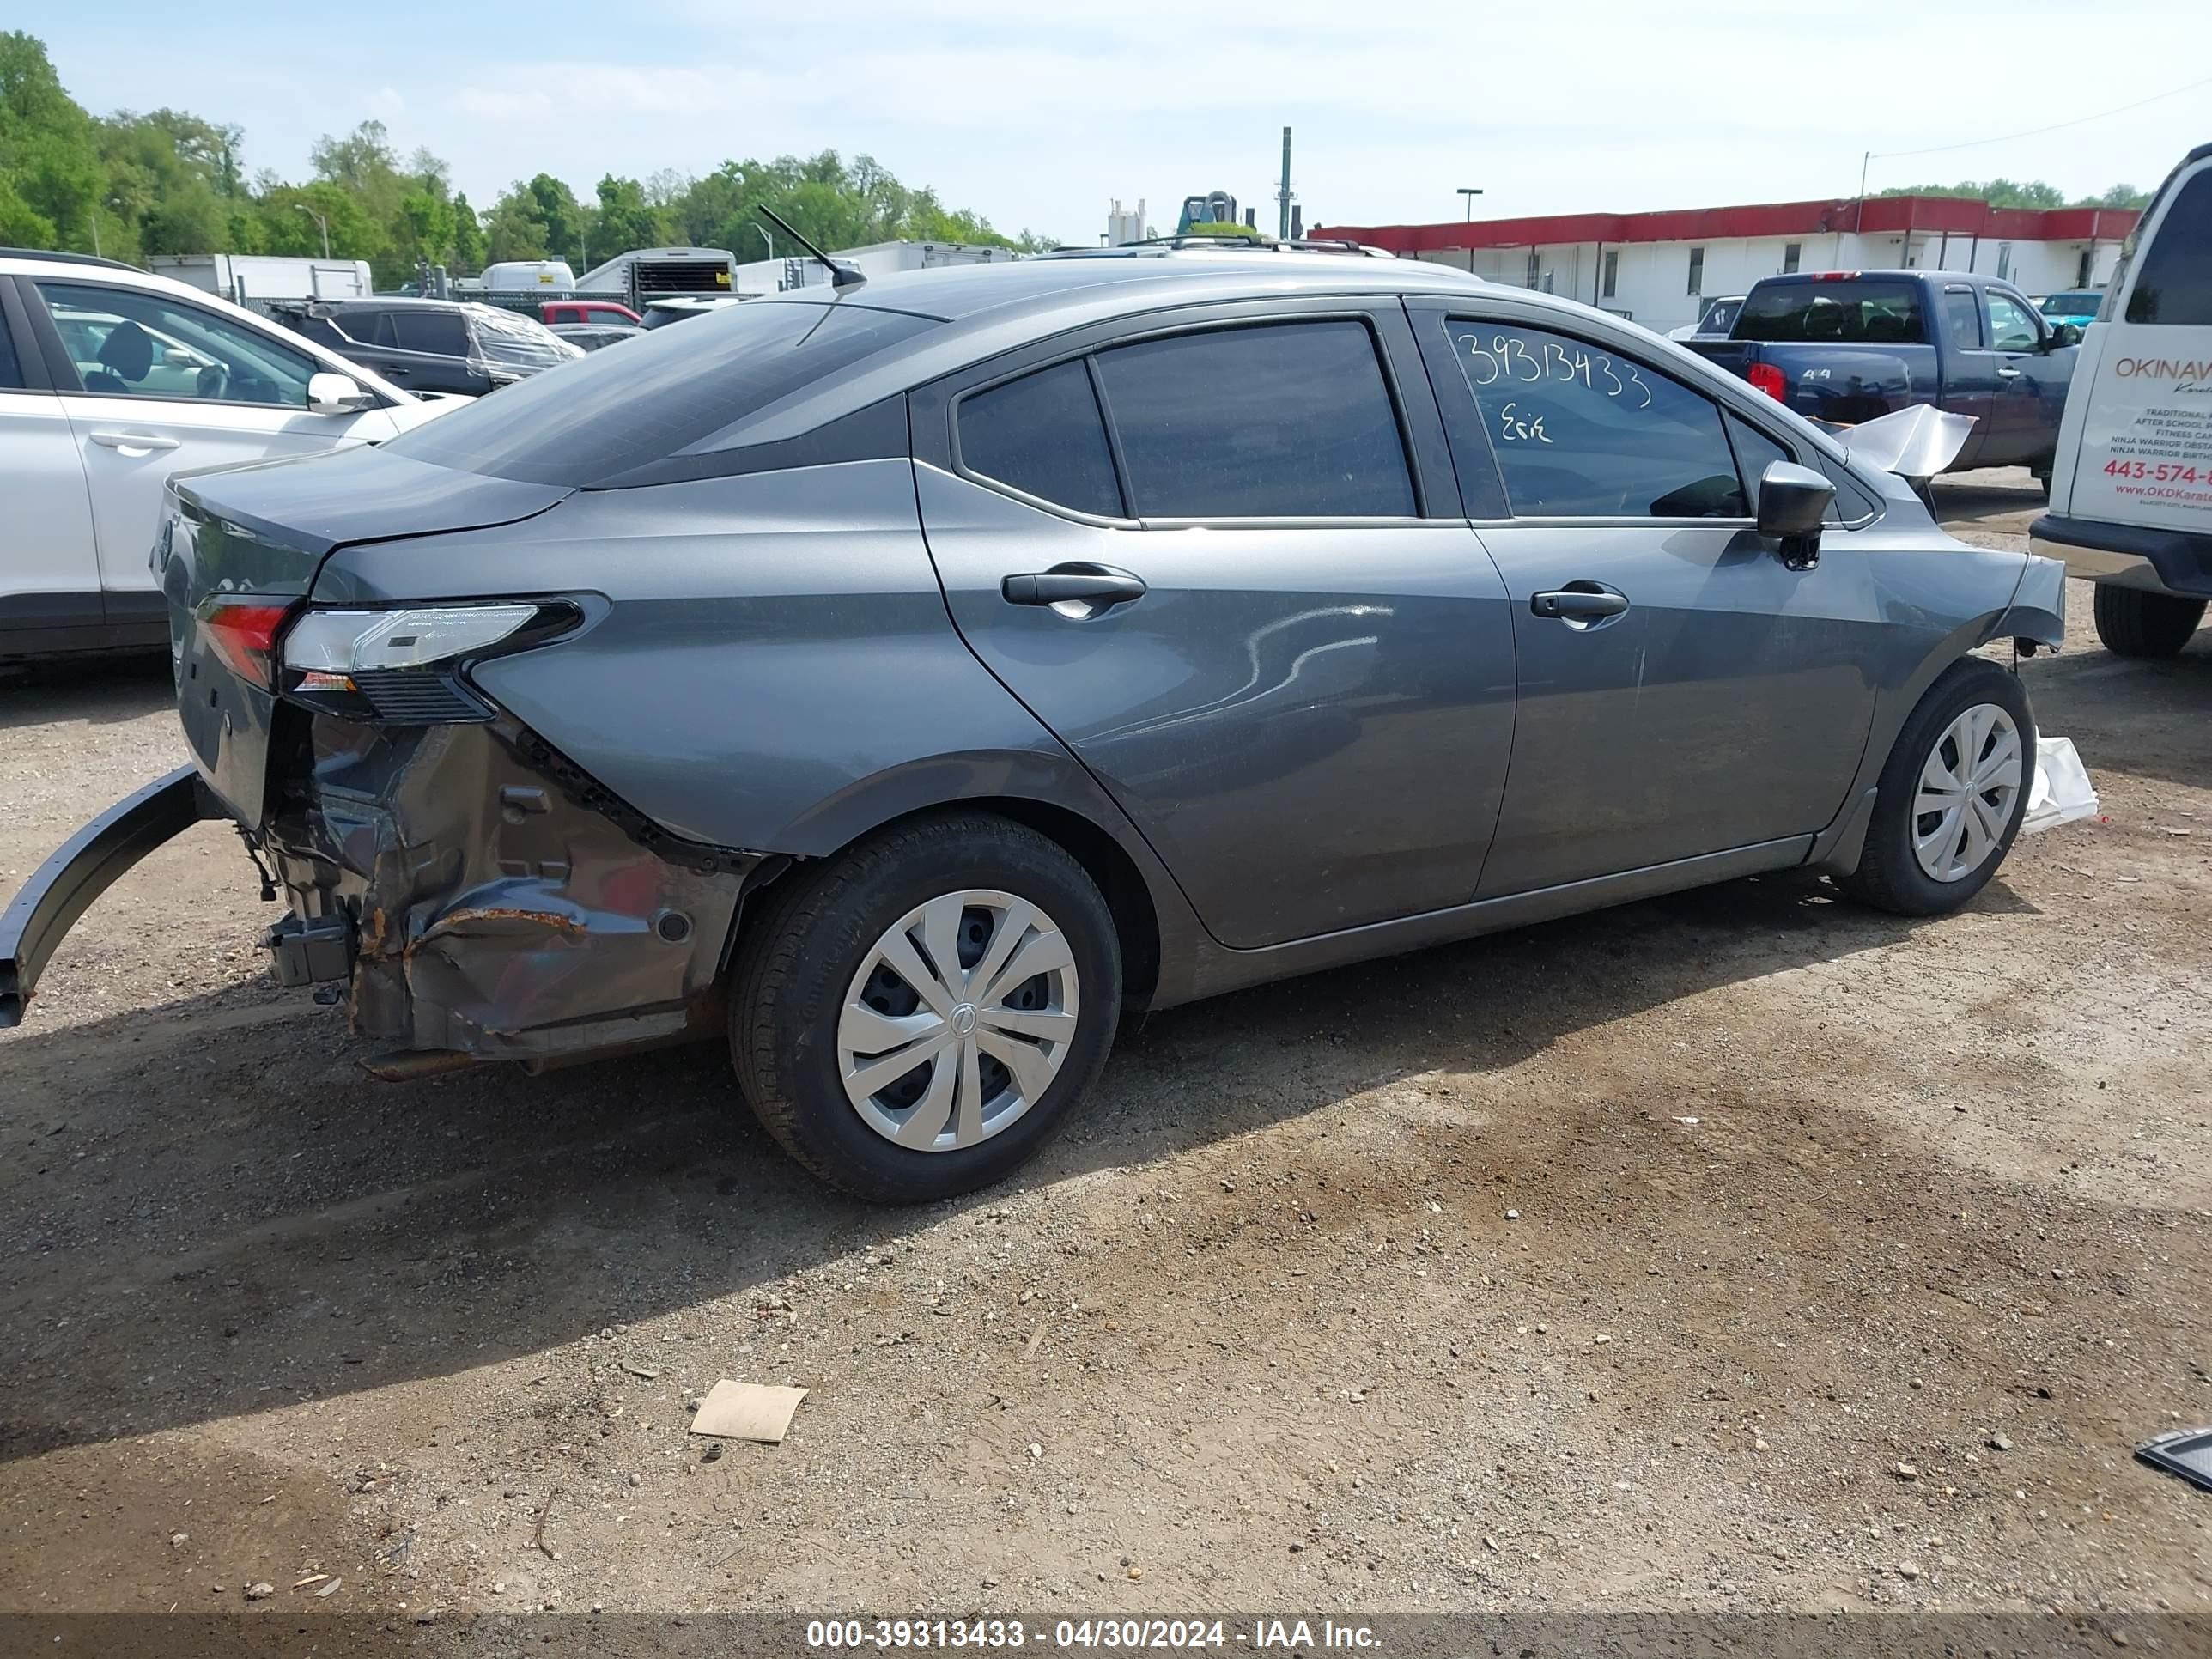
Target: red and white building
(1659, 268)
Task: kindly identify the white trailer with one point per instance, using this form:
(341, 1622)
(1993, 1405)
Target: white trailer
(241, 277)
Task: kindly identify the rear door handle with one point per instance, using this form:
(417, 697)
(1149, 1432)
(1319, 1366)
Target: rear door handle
(2007, 373)
(1082, 584)
(140, 443)
(1578, 605)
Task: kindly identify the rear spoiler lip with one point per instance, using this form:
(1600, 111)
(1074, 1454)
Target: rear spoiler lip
(87, 864)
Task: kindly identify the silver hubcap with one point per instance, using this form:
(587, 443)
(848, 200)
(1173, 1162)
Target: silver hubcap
(958, 1020)
(1968, 788)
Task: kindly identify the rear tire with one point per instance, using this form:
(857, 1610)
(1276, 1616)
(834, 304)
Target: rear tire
(836, 980)
(1930, 848)
(2134, 622)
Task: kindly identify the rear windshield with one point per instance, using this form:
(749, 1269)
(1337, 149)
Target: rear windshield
(614, 412)
(1789, 313)
(2072, 305)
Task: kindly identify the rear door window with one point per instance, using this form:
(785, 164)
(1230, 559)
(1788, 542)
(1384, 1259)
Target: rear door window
(1851, 309)
(1962, 318)
(368, 328)
(1582, 432)
(1042, 435)
(2173, 275)
(1283, 420)
(444, 332)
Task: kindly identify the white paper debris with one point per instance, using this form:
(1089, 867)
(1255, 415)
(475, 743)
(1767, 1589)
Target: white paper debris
(747, 1411)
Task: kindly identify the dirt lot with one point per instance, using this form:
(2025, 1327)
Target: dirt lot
(1737, 1250)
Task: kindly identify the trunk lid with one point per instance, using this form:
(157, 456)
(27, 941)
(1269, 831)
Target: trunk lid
(259, 534)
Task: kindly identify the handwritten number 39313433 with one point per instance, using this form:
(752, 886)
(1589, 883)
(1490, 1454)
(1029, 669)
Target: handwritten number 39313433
(1510, 357)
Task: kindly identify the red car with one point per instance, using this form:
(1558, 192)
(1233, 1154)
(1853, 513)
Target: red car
(587, 311)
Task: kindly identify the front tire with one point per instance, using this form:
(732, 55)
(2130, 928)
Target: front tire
(917, 1017)
(2132, 621)
(1951, 794)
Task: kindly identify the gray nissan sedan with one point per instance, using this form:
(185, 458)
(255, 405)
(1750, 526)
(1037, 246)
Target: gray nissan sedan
(909, 679)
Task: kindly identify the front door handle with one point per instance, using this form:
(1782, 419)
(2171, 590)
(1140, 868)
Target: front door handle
(1096, 585)
(1578, 603)
(2008, 372)
(134, 443)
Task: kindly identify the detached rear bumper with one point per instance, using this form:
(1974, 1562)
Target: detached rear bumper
(88, 865)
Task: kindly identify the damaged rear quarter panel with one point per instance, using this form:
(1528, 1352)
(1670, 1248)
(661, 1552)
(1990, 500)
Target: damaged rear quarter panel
(496, 916)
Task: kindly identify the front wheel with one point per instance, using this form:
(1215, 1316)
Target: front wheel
(916, 1017)
(1951, 794)
(2132, 621)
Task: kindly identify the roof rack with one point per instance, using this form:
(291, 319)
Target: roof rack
(67, 259)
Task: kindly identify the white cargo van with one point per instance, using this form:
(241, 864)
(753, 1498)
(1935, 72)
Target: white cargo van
(527, 275)
(2131, 486)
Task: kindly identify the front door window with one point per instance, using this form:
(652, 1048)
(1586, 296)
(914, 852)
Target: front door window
(128, 343)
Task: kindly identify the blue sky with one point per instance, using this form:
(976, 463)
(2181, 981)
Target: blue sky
(1036, 116)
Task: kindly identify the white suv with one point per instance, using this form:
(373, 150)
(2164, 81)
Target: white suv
(111, 379)
(2131, 487)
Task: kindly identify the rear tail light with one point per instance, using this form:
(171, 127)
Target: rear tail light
(1768, 379)
(401, 666)
(243, 632)
(340, 642)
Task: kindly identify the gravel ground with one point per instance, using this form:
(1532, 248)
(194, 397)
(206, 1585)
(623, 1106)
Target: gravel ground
(1737, 1250)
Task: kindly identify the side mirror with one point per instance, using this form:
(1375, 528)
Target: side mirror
(332, 393)
(2064, 334)
(1793, 501)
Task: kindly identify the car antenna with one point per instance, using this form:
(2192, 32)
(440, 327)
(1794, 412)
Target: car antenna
(841, 275)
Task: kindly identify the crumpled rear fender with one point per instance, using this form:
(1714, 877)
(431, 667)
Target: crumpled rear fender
(494, 907)
(2038, 608)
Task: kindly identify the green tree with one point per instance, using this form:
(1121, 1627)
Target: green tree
(165, 180)
(468, 249)
(285, 220)
(1998, 192)
(169, 181)
(50, 177)
(626, 220)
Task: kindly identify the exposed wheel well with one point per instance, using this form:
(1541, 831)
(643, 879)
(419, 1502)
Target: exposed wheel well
(1135, 922)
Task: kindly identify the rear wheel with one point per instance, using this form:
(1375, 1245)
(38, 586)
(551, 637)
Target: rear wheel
(2134, 622)
(1951, 794)
(916, 1018)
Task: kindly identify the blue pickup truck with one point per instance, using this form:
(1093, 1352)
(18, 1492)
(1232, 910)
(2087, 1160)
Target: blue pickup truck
(1846, 346)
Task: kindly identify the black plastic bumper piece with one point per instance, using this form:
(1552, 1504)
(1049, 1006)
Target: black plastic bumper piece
(307, 952)
(2181, 558)
(88, 865)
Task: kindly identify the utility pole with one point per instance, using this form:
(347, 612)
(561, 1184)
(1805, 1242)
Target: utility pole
(1283, 193)
(321, 223)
